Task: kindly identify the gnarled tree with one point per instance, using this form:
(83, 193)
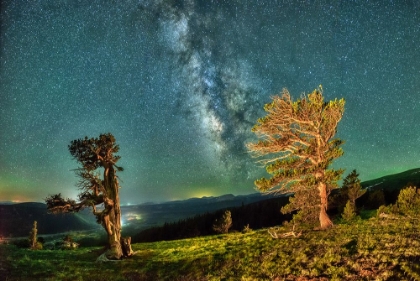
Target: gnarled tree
(297, 146)
(94, 155)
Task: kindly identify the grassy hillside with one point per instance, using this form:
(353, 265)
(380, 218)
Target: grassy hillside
(370, 249)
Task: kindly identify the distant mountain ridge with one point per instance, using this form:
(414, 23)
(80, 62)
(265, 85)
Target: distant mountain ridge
(395, 181)
(151, 215)
(16, 219)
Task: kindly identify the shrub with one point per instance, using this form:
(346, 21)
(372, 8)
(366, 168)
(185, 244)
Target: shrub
(388, 210)
(223, 224)
(37, 246)
(408, 201)
(382, 210)
(349, 212)
(246, 229)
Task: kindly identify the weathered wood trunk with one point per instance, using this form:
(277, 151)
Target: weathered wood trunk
(111, 218)
(324, 219)
(126, 246)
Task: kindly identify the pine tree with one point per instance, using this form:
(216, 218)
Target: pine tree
(96, 154)
(352, 187)
(349, 211)
(297, 146)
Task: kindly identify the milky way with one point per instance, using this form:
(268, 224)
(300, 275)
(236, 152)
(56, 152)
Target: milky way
(180, 84)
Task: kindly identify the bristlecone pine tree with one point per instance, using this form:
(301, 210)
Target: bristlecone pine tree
(97, 154)
(296, 145)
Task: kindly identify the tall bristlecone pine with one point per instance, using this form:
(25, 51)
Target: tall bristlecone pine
(297, 146)
(95, 154)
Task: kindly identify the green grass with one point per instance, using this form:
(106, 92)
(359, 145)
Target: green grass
(368, 249)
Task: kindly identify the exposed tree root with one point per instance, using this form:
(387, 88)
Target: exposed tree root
(292, 233)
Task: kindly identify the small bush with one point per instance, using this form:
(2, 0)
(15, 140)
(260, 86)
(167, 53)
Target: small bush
(246, 229)
(37, 246)
(408, 201)
(349, 213)
(223, 224)
(388, 210)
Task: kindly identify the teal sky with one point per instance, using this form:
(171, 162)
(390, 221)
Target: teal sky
(180, 84)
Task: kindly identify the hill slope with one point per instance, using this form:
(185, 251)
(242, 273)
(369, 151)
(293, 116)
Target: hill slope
(395, 181)
(16, 220)
(372, 249)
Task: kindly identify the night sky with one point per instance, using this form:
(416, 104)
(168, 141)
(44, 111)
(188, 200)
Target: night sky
(180, 84)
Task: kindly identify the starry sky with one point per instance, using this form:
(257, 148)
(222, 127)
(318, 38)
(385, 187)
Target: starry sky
(180, 84)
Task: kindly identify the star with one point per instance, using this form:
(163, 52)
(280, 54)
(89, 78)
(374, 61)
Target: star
(180, 85)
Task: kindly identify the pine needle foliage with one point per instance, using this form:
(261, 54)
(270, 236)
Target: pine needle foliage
(297, 145)
(349, 212)
(408, 201)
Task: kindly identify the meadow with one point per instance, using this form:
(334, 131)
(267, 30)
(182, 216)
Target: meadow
(370, 248)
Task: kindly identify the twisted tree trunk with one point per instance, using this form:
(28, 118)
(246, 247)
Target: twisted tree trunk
(324, 219)
(111, 216)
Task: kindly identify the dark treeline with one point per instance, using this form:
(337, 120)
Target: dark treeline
(257, 215)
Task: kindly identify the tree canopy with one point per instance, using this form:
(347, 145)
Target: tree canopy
(297, 146)
(91, 153)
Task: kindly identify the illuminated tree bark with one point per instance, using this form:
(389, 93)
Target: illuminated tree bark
(94, 154)
(296, 145)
